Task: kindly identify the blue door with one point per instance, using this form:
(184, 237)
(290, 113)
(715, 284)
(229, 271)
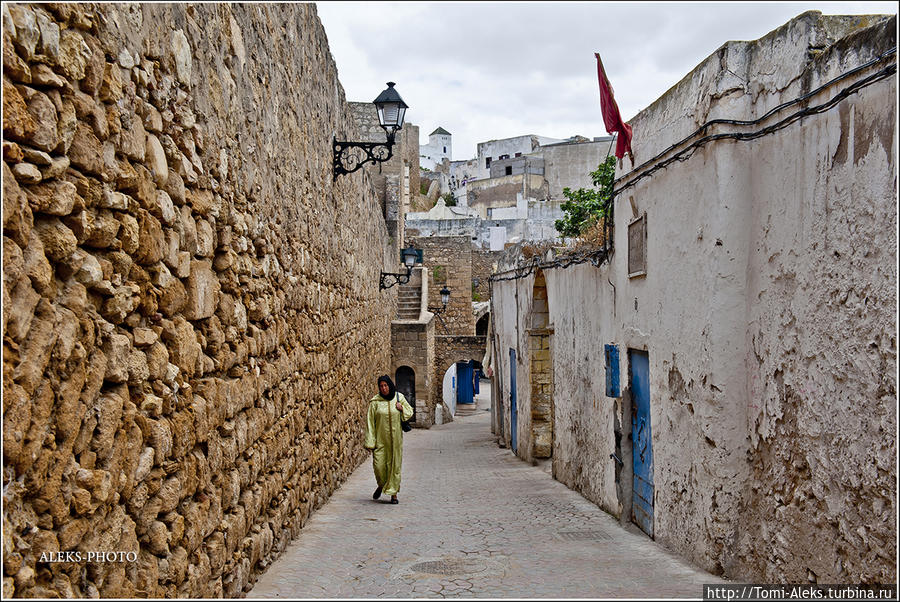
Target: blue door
(465, 392)
(642, 447)
(513, 410)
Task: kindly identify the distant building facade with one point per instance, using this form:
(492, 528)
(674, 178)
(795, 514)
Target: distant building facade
(513, 190)
(439, 147)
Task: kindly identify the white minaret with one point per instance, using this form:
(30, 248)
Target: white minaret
(440, 141)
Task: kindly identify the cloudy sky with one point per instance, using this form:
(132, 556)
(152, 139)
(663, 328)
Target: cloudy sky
(485, 70)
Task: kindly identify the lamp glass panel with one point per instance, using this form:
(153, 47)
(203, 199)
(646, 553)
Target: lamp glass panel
(389, 114)
(409, 257)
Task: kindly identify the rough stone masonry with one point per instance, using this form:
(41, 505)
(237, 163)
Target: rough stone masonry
(189, 303)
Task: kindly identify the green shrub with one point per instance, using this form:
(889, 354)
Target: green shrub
(585, 207)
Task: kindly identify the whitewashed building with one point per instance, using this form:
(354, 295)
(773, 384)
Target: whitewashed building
(439, 147)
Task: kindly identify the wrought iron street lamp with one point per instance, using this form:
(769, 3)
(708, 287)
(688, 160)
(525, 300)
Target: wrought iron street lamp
(445, 299)
(350, 156)
(410, 255)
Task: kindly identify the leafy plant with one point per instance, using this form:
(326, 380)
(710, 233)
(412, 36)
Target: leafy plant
(585, 207)
(449, 199)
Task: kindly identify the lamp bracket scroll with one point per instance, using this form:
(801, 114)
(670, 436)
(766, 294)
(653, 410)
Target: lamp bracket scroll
(389, 279)
(409, 255)
(350, 156)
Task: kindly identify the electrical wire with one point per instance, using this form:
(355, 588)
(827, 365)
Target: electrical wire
(596, 257)
(882, 74)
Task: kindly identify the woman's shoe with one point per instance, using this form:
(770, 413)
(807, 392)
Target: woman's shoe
(394, 499)
(377, 494)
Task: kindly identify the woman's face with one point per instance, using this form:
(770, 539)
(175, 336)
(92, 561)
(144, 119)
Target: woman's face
(383, 388)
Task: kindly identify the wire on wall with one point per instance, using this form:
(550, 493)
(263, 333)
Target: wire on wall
(655, 164)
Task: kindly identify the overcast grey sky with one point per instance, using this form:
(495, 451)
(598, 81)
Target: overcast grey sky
(484, 70)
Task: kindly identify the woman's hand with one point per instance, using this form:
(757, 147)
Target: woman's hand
(398, 406)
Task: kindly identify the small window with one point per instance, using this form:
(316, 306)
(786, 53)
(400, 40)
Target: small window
(445, 149)
(487, 162)
(518, 154)
(509, 170)
(637, 246)
(503, 157)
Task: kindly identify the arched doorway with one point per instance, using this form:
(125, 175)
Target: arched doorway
(406, 384)
(540, 343)
(482, 325)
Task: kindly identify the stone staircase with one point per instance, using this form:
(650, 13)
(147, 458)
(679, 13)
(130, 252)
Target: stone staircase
(410, 299)
(466, 409)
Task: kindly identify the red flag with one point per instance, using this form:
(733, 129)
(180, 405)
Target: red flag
(611, 117)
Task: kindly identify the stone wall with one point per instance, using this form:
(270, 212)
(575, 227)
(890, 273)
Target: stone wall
(483, 263)
(190, 304)
(768, 312)
(449, 263)
(412, 345)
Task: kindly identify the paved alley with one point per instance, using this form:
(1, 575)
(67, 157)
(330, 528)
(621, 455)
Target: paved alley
(473, 521)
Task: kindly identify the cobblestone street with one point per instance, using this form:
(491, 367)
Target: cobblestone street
(473, 521)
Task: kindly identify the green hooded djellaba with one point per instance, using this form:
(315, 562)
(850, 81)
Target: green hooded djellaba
(384, 436)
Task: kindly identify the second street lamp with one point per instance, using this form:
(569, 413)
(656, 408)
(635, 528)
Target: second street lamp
(389, 279)
(437, 311)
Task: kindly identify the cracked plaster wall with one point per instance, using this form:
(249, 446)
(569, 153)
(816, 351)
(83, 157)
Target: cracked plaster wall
(768, 311)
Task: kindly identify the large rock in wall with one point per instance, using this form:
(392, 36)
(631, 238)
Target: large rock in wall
(189, 301)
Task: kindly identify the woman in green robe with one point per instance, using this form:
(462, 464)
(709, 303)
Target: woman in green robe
(384, 436)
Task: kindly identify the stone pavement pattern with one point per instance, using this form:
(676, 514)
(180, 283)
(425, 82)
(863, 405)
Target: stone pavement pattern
(473, 521)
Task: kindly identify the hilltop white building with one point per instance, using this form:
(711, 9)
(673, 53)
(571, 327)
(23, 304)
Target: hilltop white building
(439, 147)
